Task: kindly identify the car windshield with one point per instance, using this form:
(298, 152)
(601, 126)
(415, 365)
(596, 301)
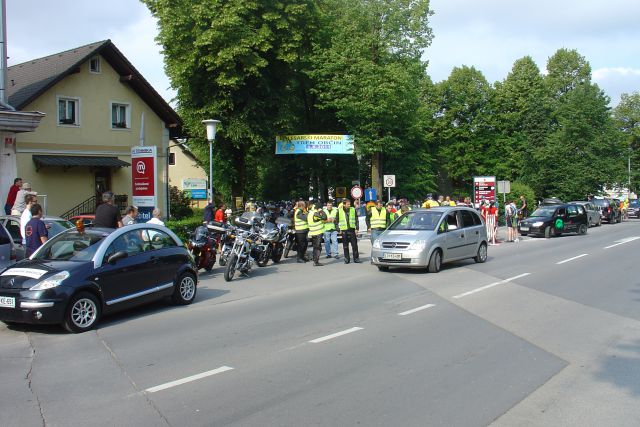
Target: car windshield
(57, 226)
(634, 203)
(601, 202)
(71, 246)
(544, 211)
(425, 220)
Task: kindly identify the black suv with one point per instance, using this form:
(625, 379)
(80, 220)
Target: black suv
(610, 210)
(554, 220)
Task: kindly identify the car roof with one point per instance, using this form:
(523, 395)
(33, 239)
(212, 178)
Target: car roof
(46, 218)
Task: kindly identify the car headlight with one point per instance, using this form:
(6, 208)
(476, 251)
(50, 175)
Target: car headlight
(377, 244)
(537, 224)
(418, 244)
(50, 282)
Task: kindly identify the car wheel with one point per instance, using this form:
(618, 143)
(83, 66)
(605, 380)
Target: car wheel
(82, 313)
(524, 234)
(582, 230)
(383, 268)
(481, 256)
(185, 289)
(230, 271)
(599, 221)
(435, 262)
(548, 233)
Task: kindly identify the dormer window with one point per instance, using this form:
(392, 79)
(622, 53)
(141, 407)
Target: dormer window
(94, 65)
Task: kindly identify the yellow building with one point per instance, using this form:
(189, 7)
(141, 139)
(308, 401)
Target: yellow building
(183, 165)
(97, 107)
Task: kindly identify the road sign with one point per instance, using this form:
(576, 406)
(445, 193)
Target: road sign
(389, 181)
(370, 194)
(484, 187)
(356, 192)
(504, 186)
(341, 192)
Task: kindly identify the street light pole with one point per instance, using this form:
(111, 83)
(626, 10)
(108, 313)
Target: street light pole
(211, 126)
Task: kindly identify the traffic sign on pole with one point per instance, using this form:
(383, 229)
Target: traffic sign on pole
(341, 192)
(370, 194)
(356, 192)
(390, 181)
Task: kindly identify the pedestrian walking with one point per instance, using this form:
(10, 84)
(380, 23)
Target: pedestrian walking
(511, 219)
(330, 232)
(376, 220)
(315, 220)
(35, 231)
(130, 215)
(11, 196)
(30, 200)
(107, 215)
(20, 204)
(348, 227)
(302, 230)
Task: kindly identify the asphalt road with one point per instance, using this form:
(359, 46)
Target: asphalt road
(547, 333)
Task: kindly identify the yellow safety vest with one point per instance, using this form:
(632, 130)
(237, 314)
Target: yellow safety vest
(315, 227)
(300, 224)
(342, 219)
(331, 215)
(378, 219)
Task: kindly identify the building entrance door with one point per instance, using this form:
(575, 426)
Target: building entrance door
(102, 183)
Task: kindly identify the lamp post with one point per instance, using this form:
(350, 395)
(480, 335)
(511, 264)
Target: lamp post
(211, 126)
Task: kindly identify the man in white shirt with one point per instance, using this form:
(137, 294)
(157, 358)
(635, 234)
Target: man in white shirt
(25, 217)
(156, 217)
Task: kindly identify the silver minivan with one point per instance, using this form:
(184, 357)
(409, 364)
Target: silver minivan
(427, 238)
(7, 248)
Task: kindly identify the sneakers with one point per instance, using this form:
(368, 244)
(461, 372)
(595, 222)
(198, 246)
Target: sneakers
(317, 264)
(328, 256)
(357, 261)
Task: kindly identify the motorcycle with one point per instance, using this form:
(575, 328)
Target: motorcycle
(269, 238)
(203, 248)
(290, 243)
(245, 249)
(226, 244)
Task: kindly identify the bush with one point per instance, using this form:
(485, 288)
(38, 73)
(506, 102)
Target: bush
(184, 227)
(517, 189)
(179, 203)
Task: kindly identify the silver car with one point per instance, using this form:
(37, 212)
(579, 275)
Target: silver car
(427, 238)
(7, 249)
(594, 217)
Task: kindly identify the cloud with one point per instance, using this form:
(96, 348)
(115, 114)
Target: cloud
(616, 81)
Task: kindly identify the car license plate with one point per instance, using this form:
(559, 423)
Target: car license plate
(524, 228)
(7, 302)
(392, 256)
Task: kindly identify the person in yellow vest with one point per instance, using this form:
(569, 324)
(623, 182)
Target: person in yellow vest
(429, 202)
(376, 220)
(302, 230)
(391, 215)
(348, 226)
(315, 220)
(330, 233)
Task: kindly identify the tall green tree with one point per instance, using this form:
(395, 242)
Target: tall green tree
(368, 70)
(234, 60)
(627, 117)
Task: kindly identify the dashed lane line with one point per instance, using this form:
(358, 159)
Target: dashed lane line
(188, 379)
(571, 259)
(415, 310)
(336, 335)
(480, 289)
(622, 242)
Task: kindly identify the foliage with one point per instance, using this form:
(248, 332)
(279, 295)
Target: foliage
(179, 203)
(627, 121)
(183, 227)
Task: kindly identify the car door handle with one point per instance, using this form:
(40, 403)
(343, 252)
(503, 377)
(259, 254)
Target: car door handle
(462, 235)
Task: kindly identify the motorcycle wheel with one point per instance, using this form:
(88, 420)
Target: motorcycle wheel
(211, 263)
(230, 271)
(222, 261)
(277, 255)
(287, 248)
(264, 258)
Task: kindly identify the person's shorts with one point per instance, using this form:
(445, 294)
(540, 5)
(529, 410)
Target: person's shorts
(512, 222)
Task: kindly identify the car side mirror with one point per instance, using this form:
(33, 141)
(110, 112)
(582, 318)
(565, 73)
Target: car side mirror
(115, 257)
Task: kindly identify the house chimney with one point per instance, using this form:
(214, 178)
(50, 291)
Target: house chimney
(3, 56)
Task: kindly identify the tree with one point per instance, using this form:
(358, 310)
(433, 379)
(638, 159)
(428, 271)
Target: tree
(627, 117)
(368, 70)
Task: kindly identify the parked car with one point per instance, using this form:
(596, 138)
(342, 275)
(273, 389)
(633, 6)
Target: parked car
(87, 220)
(634, 208)
(80, 275)
(554, 220)
(609, 209)
(427, 238)
(593, 213)
(7, 249)
(55, 225)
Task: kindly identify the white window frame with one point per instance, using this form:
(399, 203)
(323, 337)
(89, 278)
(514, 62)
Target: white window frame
(127, 113)
(99, 71)
(78, 103)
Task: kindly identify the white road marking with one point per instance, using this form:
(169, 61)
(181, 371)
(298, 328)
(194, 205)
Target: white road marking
(623, 241)
(188, 379)
(336, 335)
(571, 259)
(491, 285)
(414, 310)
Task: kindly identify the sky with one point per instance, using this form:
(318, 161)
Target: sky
(487, 34)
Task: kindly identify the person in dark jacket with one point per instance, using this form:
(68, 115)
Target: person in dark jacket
(209, 212)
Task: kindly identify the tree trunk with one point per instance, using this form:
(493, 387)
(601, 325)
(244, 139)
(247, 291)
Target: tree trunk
(376, 172)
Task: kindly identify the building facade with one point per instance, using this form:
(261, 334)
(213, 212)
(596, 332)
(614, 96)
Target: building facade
(97, 107)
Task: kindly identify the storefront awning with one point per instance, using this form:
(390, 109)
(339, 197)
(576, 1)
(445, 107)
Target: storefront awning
(87, 161)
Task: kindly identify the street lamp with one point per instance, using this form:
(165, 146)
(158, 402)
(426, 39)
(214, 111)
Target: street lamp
(211, 126)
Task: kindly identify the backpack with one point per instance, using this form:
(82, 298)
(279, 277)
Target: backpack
(510, 210)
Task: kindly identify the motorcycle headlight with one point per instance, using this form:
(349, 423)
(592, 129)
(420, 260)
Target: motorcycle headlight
(537, 224)
(50, 282)
(377, 244)
(418, 245)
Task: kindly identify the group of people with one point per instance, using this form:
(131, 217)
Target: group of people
(513, 214)
(108, 214)
(23, 202)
